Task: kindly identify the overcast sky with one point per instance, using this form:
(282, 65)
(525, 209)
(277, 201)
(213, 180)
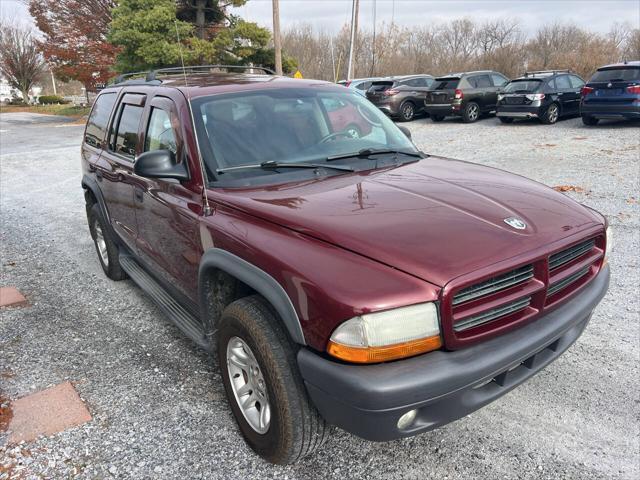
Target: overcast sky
(332, 14)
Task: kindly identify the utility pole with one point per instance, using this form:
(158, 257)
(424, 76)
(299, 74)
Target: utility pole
(354, 30)
(53, 82)
(277, 43)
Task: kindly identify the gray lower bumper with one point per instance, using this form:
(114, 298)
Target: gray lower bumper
(442, 386)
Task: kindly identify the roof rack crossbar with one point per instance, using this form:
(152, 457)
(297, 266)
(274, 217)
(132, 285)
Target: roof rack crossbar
(152, 75)
(123, 76)
(538, 72)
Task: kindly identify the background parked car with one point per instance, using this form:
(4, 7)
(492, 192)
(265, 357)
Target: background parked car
(612, 92)
(400, 97)
(359, 85)
(547, 95)
(467, 94)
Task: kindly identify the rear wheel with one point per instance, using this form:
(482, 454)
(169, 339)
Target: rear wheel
(471, 112)
(105, 246)
(437, 118)
(506, 119)
(264, 387)
(551, 115)
(590, 121)
(407, 111)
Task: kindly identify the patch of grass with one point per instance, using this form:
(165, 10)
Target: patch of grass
(65, 110)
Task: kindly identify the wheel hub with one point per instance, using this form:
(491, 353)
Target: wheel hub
(248, 385)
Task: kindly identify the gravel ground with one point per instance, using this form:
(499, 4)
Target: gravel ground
(158, 405)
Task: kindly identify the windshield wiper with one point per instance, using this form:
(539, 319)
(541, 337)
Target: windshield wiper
(367, 152)
(273, 165)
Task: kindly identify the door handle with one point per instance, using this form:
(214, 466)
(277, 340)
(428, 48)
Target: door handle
(138, 195)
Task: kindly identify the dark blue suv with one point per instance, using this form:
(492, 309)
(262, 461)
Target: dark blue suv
(612, 92)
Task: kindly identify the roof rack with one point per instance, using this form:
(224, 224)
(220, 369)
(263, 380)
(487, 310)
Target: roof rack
(533, 73)
(151, 76)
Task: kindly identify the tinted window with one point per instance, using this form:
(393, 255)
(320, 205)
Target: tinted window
(363, 85)
(563, 83)
(483, 81)
(498, 80)
(616, 74)
(99, 118)
(523, 86)
(445, 83)
(576, 82)
(127, 133)
(160, 134)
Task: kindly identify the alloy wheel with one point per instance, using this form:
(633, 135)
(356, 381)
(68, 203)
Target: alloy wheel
(552, 113)
(248, 385)
(472, 112)
(101, 244)
(407, 111)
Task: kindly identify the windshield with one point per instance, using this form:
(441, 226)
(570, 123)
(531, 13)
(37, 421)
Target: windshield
(289, 125)
(522, 86)
(616, 74)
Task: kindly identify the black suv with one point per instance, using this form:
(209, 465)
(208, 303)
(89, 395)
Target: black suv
(400, 97)
(468, 95)
(546, 95)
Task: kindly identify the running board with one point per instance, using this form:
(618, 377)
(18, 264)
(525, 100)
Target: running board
(182, 318)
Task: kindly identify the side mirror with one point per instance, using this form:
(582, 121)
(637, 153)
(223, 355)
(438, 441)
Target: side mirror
(160, 164)
(405, 130)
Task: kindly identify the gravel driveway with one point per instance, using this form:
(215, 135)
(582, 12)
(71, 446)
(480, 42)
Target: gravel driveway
(158, 405)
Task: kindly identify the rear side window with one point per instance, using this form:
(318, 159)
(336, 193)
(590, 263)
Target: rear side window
(363, 85)
(126, 138)
(160, 134)
(99, 118)
(617, 74)
(445, 83)
(483, 81)
(563, 83)
(380, 86)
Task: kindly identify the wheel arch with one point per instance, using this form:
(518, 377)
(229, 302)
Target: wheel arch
(93, 195)
(216, 261)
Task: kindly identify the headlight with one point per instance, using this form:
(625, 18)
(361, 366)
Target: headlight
(609, 245)
(389, 335)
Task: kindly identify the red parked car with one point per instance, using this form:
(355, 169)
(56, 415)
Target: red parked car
(337, 278)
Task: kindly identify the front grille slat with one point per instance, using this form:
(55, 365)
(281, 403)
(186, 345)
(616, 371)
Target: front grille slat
(561, 258)
(492, 314)
(495, 284)
(556, 287)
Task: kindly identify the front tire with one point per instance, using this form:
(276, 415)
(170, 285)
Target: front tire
(407, 111)
(251, 330)
(107, 250)
(589, 121)
(471, 112)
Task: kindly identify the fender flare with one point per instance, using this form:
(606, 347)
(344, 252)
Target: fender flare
(257, 279)
(89, 183)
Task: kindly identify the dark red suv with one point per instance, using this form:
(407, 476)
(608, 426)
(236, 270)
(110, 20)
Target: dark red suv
(337, 274)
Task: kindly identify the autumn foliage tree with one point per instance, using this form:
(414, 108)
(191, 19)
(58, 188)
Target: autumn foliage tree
(74, 39)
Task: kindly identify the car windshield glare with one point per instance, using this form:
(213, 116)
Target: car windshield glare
(524, 86)
(289, 125)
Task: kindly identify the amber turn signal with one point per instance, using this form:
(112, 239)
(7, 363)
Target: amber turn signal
(383, 353)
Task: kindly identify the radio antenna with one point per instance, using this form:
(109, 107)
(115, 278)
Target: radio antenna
(184, 71)
(203, 174)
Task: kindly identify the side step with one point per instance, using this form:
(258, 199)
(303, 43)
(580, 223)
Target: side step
(182, 318)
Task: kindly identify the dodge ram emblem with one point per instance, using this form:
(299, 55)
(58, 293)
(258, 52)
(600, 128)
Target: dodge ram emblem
(515, 223)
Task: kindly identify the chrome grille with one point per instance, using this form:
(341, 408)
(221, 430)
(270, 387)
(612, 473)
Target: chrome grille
(492, 314)
(557, 286)
(495, 284)
(558, 259)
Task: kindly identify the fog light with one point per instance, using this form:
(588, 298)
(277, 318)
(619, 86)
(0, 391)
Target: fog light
(407, 419)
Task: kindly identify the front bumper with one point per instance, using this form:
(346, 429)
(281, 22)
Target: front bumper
(368, 400)
(610, 111)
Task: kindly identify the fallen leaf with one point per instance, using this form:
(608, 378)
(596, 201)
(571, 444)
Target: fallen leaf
(568, 188)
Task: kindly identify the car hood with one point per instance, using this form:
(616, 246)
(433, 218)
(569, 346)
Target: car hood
(435, 219)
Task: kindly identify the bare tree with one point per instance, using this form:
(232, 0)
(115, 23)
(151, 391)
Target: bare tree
(21, 61)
